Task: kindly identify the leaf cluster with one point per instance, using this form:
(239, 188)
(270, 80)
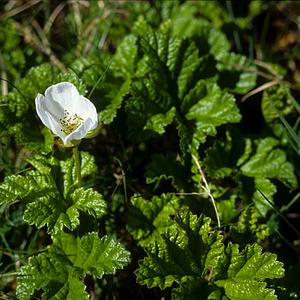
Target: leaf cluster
(192, 255)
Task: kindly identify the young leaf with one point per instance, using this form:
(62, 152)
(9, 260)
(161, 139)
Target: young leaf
(249, 228)
(123, 64)
(276, 99)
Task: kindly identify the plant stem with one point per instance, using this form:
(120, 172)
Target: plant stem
(76, 156)
(207, 189)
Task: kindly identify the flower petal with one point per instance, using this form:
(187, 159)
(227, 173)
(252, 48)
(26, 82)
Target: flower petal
(63, 96)
(89, 110)
(46, 117)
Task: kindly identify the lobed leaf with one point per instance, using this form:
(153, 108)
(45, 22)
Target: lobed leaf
(149, 218)
(270, 162)
(59, 271)
(165, 167)
(191, 254)
(43, 195)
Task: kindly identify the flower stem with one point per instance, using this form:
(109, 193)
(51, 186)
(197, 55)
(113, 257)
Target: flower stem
(76, 156)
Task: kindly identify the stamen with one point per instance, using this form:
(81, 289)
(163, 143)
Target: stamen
(70, 122)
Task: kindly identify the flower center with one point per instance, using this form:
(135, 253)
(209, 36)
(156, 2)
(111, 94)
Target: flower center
(70, 122)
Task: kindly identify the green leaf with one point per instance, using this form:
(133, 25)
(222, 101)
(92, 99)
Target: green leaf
(158, 122)
(191, 254)
(149, 218)
(42, 272)
(276, 99)
(72, 289)
(56, 212)
(221, 158)
(246, 272)
(88, 167)
(46, 211)
(59, 271)
(42, 193)
(244, 289)
(107, 115)
(270, 162)
(187, 24)
(195, 290)
(89, 201)
(123, 63)
(173, 82)
(188, 250)
(165, 167)
(17, 187)
(214, 109)
(249, 228)
(237, 73)
(100, 256)
(265, 186)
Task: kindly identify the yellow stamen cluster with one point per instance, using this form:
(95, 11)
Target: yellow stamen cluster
(70, 122)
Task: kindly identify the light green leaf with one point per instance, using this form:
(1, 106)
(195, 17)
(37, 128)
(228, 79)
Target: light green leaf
(42, 194)
(265, 186)
(245, 289)
(276, 99)
(107, 115)
(246, 273)
(46, 211)
(42, 272)
(94, 255)
(89, 201)
(158, 122)
(149, 218)
(72, 289)
(34, 185)
(270, 162)
(214, 109)
(57, 212)
(123, 63)
(251, 263)
(237, 73)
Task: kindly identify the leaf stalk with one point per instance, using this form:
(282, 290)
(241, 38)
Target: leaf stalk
(76, 157)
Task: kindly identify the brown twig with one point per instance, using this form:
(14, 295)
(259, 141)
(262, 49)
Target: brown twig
(260, 89)
(19, 9)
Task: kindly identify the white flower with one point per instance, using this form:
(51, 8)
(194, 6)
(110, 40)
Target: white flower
(68, 114)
